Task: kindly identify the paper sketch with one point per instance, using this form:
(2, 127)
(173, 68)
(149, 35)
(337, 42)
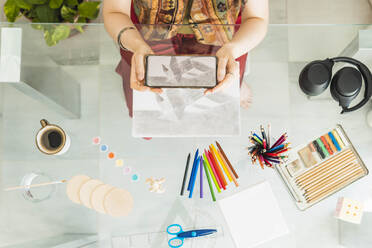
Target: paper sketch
(187, 113)
(177, 71)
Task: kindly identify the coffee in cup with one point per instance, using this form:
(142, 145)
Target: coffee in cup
(51, 139)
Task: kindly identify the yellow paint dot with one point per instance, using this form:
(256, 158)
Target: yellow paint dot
(354, 214)
(356, 207)
(349, 205)
(347, 212)
(119, 163)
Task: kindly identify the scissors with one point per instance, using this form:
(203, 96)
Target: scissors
(176, 229)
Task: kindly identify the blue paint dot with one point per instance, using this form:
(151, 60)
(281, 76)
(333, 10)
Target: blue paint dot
(134, 177)
(104, 148)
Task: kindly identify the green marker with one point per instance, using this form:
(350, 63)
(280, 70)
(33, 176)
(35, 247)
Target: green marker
(209, 181)
(210, 171)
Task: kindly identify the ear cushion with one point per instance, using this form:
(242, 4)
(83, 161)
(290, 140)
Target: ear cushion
(346, 85)
(315, 77)
(367, 77)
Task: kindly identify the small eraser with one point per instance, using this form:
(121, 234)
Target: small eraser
(349, 210)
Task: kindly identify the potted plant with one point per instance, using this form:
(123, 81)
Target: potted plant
(41, 12)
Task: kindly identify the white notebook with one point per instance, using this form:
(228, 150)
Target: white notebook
(253, 216)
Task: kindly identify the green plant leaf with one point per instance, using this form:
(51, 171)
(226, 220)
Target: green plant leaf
(67, 13)
(79, 28)
(37, 1)
(61, 32)
(89, 9)
(11, 10)
(45, 14)
(23, 4)
(71, 3)
(55, 4)
(37, 26)
(48, 37)
(81, 20)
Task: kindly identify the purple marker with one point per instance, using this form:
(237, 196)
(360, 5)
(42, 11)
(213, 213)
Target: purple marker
(201, 177)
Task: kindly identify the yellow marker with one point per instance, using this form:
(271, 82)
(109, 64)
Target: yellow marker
(339, 141)
(211, 172)
(221, 162)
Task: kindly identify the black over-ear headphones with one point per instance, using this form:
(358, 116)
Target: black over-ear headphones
(345, 84)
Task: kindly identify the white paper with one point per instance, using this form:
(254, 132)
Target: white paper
(253, 216)
(187, 113)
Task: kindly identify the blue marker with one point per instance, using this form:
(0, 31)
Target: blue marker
(194, 177)
(193, 168)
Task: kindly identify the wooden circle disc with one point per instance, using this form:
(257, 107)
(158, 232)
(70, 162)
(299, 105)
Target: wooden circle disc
(98, 196)
(118, 202)
(86, 191)
(73, 187)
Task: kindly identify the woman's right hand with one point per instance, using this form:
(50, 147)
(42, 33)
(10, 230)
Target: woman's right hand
(137, 73)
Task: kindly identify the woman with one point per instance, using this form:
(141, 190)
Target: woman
(227, 43)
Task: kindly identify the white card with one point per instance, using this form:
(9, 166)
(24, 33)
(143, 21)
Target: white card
(253, 216)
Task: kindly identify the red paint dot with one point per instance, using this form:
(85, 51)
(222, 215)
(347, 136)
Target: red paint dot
(111, 155)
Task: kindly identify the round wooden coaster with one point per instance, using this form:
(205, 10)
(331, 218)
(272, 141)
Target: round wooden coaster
(86, 191)
(118, 202)
(73, 187)
(98, 196)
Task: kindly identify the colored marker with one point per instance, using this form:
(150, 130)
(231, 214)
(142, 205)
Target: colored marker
(209, 179)
(227, 160)
(216, 155)
(324, 150)
(330, 143)
(185, 175)
(194, 178)
(214, 170)
(201, 176)
(228, 168)
(211, 173)
(193, 169)
(326, 145)
(218, 169)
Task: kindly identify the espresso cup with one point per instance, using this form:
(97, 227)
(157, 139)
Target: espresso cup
(51, 139)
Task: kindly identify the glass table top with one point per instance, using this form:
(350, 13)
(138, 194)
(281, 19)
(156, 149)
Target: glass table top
(74, 85)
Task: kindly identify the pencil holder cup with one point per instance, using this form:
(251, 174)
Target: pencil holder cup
(37, 194)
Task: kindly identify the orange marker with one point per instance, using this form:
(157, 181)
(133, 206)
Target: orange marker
(217, 155)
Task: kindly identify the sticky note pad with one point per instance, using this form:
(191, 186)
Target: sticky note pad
(253, 216)
(349, 210)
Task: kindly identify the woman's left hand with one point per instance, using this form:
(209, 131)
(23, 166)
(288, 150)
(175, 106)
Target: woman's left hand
(227, 69)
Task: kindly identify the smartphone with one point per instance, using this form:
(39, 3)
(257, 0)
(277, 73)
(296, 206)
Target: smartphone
(181, 71)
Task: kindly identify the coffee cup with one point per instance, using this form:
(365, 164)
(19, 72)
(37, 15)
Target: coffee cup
(51, 139)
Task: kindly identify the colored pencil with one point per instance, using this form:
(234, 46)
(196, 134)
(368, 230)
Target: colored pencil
(218, 187)
(280, 140)
(227, 160)
(220, 184)
(216, 154)
(268, 135)
(193, 168)
(201, 177)
(209, 179)
(261, 161)
(278, 147)
(218, 169)
(257, 138)
(228, 168)
(185, 175)
(272, 160)
(267, 162)
(193, 179)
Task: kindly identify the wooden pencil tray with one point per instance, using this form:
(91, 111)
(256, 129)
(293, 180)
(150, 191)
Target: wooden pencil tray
(313, 184)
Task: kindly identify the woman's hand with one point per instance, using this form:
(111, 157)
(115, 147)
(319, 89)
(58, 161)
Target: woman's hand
(227, 69)
(137, 73)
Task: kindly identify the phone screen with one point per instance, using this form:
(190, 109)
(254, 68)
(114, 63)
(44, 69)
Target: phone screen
(163, 71)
